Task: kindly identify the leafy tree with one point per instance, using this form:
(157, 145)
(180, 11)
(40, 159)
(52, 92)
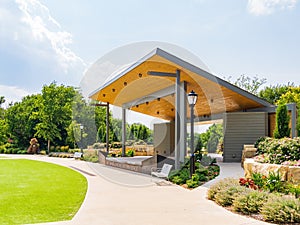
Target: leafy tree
(3, 126)
(55, 113)
(210, 139)
(282, 122)
(292, 96)
(21, 119)
(272, 94)
(249, 84)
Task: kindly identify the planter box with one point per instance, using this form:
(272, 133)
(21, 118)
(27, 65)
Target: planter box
(288, 173)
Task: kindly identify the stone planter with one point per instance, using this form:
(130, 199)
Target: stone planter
(288, 173)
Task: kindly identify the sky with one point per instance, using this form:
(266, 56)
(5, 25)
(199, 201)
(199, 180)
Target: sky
(59, 40)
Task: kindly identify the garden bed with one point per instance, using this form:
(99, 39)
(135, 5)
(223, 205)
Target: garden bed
(263, 198)
(205, 170)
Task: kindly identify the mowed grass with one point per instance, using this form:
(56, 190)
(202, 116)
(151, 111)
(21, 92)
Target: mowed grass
(36, 192)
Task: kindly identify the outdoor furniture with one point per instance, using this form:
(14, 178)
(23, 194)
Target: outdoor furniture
(161, 172)
(77, 155)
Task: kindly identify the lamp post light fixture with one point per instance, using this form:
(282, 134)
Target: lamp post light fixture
(192, 99)
(81, 128)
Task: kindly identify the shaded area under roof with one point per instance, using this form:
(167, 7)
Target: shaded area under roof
(134, 89)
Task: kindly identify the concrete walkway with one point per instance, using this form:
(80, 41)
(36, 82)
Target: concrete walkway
(118, 197)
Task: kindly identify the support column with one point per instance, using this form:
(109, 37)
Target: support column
(123, 132)
(294, 119)
(177, 120)
(107, 128)
(183, 121)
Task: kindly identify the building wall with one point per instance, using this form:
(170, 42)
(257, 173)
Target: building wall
(164, 138)
(242, 128)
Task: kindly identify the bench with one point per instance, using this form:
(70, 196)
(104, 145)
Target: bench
(162, 172)
(77, 155)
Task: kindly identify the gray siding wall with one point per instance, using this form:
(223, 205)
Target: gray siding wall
(242, 128)
(164, 138)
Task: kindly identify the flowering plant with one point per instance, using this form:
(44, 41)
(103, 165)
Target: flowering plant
(248, 183)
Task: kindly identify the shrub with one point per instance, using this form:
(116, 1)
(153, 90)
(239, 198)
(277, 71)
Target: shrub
(281, 209)
(98, 145)
(130, 153)
(90, 156)
(177, 180)
(193, 182)
(274, 183)
(226, 196)
(278, 151)
(184, 174)
(222, 184)
(43, 152)
(259, 180)
(247, 182)
(57, 148)
(52, 148)
(282, 122)
(250, 201)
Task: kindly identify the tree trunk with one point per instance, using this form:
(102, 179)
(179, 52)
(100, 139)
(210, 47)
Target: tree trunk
(48, 146)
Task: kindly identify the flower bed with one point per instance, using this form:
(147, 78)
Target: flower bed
(206, 170)
(284, 151)
(262, 197)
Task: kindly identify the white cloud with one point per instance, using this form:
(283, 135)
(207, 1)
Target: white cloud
(46, 30)
(12, 93)
(267, 7)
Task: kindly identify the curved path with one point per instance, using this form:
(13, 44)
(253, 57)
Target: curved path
(118, 197)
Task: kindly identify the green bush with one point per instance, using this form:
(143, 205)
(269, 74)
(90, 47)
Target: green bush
(259, 180)
(184, 174)
(220, 185)
(283, 209)
(278, 151)
(90, 156)
(274, 182)
(226, 196)
(130, 153)
(282, 122)
(250, 201)
(177, 180)
(193, 182)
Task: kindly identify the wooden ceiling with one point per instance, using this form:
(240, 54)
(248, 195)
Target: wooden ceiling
(134, 84)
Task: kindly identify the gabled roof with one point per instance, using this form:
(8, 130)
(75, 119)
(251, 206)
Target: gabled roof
(133, 88)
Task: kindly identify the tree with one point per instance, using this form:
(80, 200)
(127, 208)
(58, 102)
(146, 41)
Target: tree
(3, 126)
(249, 84)
(55, 113)
(292, 96)
(210, 139)
(272, 94)
(21, 119)
(282, 122)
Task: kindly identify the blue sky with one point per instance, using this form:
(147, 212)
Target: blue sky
(46, 40)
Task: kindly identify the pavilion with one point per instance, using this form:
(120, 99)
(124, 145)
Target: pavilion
(157, 85)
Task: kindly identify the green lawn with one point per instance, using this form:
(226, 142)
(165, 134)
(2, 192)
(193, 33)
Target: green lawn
(35, 192)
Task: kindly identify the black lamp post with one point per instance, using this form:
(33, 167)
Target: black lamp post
(81, 128)
(192, 99)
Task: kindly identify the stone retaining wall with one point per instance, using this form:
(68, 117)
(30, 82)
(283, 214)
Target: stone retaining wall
(288, 173)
